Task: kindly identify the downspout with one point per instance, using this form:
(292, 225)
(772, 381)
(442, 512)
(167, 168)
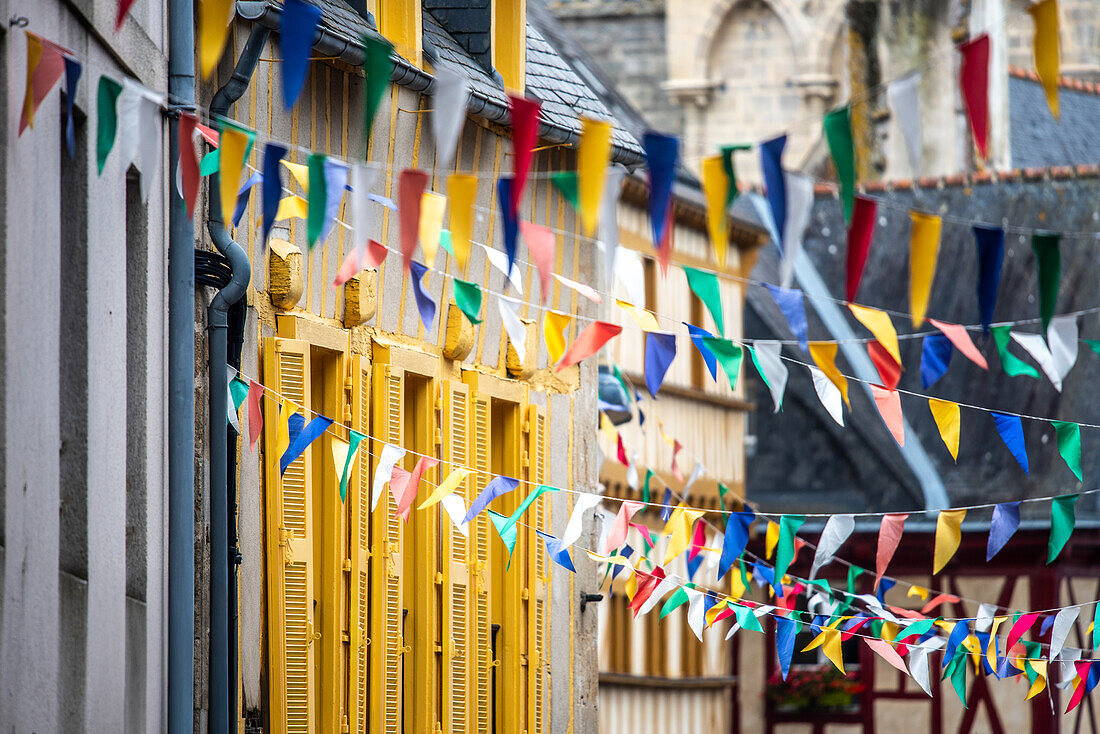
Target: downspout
(221, 714)
(181, 391)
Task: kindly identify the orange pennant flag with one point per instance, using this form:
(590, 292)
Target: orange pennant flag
(590, 341)
(889, 535)
(888, 403)
(960, 337)
(45, 64)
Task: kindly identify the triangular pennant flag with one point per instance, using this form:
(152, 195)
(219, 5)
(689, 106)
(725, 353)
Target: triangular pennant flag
(960, 337)
(616, 536)
(585, 290)
(73, 70)
(410, 194)
(557, 553)
(800, 204)
(704, 284)
(342, 457)
(384, 470)
(365, 252)
(888, 403)
(1062, 518)
(924, 249)
(946, 415)
(298, 27)
(1045, 46)
(424, 303)
(904, 96)
(935, 357)
(509, 221)
(679, 529)
(889, 369)
(1006, 519)
(1064, 622)
(609, 223)
(540, 246)
(462, 192)
(573, 528)
(1049, 259)
(468, 299)
(728, 163)
(766, 356)
(728, 355)
(106, 119)
(244, 195)
(593, 154)
(775, 185)
(507, 533)
(838, 134)
(662, 154)
(449, 97)
(123, 10)
(272, 190)
(553, 329)
(517, 332)
(497, 487)
(837, 529)
(355, 438)
(735, 539)
(789, 301)
(45, 64)
(235, 143)
(784, 643)
(325, 194)
(785, 550)
(189, 163)
(255, 414)
(828, 394)
(889, 535)
(860, 233)
(1069, 445)
(525, 122)
(1012, 433)
(1062, 338)
(1010, 363)
(446, 487)
(716, 186)
(214, 19)
(530, 499)
(432, 206)
(990, 243)
(378, 68)
(879, 324)
(698, 335)
(660, 350)
(309, 434)
(567, 185)
(824, 356)
(590, 341)
(974, 83)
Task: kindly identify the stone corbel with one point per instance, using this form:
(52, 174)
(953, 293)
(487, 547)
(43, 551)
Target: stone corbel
(696, 92)
(819, 88)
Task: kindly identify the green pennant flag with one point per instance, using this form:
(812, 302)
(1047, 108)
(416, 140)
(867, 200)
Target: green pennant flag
(1096, 626)
(1049, 258)
(854, 572)
(727, 152)
(678, 598)
(506, 533)
(354, 439)
(917, 628)
(784, 552)
(1010, 363)
(728, 354)
(446, 242)
(316, 201)
(838, 134)
(722, 490)
(645, 486)
(566, 184)
(468, 299)
(1061, 524)
(747, 619)
(239, 389)
(533, 495)
(378, 67)
(209, 163)
(1093, 344)
(704, 285)
(106, 119)
(622, 381)
(744, 573)
(1069, 445)
(957, 667)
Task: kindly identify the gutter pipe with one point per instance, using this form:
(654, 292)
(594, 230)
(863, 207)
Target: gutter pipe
(181, 391)
(220, 711)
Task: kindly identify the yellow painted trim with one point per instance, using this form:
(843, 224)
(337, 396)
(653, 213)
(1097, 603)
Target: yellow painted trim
(338, 302)
(385, 211)
(509, 47)
(489, 236)
(401, 23)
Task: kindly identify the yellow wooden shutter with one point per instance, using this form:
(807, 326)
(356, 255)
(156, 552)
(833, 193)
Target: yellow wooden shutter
(456, 601)
(359, 515)
(289, 548)
(481, 705)
(537, 517)
(387, 633)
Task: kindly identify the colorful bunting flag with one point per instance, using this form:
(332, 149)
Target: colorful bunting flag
(567, 185)
(509, 221)
(593, 155)
(789, 301)
(860, 233)
(948, 537)
(716, 185)
(990, 245)
(1045, 46)
(616, 536)
(1012, 433)
(879, 324)
(525, 122)
(255, 413)
(800, 203)
(107, 119)
(838, 134)
(974, 83)
(432, 206)
(235, 144)
(728, 355)
(824, 356)
(924, 249)
(45, 64)
(120, 15)
(424, 303)
(889, 535)
(446, 487)
(837, 529)
(1010, 363)
(468, 299)
(1062, 519)
(766, 356)
(784, 643)
(462, 191)
(497, 487)
(513, 326)
(735, 539)
(585, 290)
(449, 98)
(506, 533)
(660, 350)
(785, 550)
(272, 190)
(946, 415)
(662, 155)
(888, 403)
(558, 554)
(378, 69)
(960, 337)
(935, 356)
(704, 284)
(1064, 622)
(384, 470)
(1006, 519)
(590, 341)
(828, 394)
(73, 70)
(904, 96)
(775, 185)
(298, 27)
(679, 529)
(1049, 260)
(410, 194)
(309, 434)
(1069, 445)
(729, 164)
(540, 246)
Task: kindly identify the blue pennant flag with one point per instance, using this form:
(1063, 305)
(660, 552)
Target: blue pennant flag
(508, 218)
(424, 303)
(790, 303)
(557, 554)
(771, 161)
(244, 194)
(72, 76)
(662, 153)
(1012, 433)
(991, 250)
(735, 540)
(666, 511)
(660, 350)
(784, 643)
(693, 565)
(499, 486)
(697, 336)
(273, 185)
(959, 633)
(934, 358)
(296, 34)
(305, 437)
(1006, 519)
(884, 585)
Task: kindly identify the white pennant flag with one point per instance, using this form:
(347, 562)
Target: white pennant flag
(139, 133)
(904, 95)
(1070, 655)
(1062, 339)
(828, 394)
(390, 456)
(697, 471)
(456, 509)
(362, 179)
(1034, 345)
(716, 542)
(499, 260)
(668, 583)
(696, 615)
(233, 421)
(836, 531)
(452, 90)
(632, 473)
(630, 274)
(772, 369)
(800, 204)
(918, 662)
(984, 619)
(1063, 623)
(583, 504)
(609, 220)
(517, 333)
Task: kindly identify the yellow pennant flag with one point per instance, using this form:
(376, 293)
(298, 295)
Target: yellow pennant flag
(824, 356)
(1046, 47)
(290, 207)
(34, 56)
(879, 324)
(631, 586)
(234, 145)
(592, 159)
(948, 537)
(1040, 668)
(991, 648)
(716, 186)
(889, 631)
(924, 249)
(553, 328)
(282, 432)
(432, 206)
(462, 190)
(300, 174)
(646, 321)
(771, 539)
(448, 485)
(214, 18)
(831, 648)
(714, 611)
(737, 586)
(946, 414)
(679, 531)
(615, 560)
(918, 591)
(607, 428)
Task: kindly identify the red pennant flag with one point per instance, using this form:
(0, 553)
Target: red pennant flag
(1023, 624)
(406, 485)
(410, 190)
(698, 540)
(974, 82)
(45, 65)
(889, 535)
(189, 162)
(937, 600)
(1079, 692)
(255, 413)
(888, 403)
(525, 128)
(540, 244)
(664, 247)
(677, 447)
(621, 451)
(209, 134)
(590, 341)
(123, 9)
(888, 368)
(860, 233)
(647, 584)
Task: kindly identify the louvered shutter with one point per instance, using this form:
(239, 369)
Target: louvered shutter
(289, 547)
(387, 633)
(359, 516)
(482, 659)
(538, 517)
(456, 549)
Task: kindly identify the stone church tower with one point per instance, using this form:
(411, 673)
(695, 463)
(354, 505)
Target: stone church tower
(729, 71)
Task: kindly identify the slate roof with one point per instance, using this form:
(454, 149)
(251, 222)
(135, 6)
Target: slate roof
(1036, 138)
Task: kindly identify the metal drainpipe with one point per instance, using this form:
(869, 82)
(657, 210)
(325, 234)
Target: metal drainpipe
(217, 313)
(181, 391)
